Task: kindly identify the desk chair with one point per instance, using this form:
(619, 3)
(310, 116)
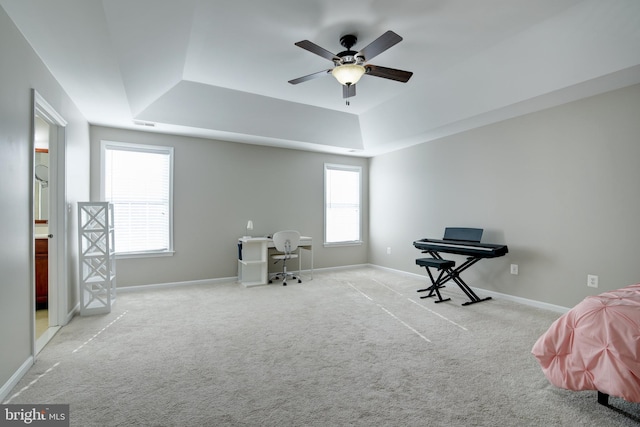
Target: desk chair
(286, 243)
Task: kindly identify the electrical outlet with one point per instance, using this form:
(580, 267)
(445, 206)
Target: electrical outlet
(514, 269)
(592, 281)
(389, 250)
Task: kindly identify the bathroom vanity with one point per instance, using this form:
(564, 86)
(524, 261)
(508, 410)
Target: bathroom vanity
(42, 272)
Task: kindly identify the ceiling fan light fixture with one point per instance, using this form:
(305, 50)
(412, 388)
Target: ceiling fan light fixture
(348, 74)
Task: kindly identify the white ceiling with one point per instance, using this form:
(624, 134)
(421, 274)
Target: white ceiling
(219, 68)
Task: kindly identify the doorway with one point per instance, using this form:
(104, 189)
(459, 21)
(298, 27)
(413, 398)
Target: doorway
(41, 224)
(49, 223)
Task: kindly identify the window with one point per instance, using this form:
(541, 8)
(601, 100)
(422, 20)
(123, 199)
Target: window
(342, 188)
(138, 180)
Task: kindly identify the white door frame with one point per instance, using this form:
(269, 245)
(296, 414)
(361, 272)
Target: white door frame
(58, 254)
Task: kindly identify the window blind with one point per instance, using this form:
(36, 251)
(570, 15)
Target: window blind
(342, 203)
(137, 180)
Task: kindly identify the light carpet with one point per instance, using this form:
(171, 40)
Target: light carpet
(349, 348)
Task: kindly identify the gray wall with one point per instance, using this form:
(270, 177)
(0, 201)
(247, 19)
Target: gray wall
(218, 186)
(20, 71)
(559, 187)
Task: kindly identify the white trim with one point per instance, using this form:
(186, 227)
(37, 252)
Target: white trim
(340, 268)
(75, 310)
(45, 337)
(176, 284)
(520, 300)
(345, 243)
(60, 227)
(524, 301)
(221, 280)
(45, 109)
(15, 378)
(57, 224)
(149, 254)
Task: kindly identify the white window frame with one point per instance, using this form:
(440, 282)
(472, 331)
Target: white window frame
(349, 168)
(104, 146)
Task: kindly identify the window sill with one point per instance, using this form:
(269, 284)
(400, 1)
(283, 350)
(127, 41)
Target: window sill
(128, 255)
(339, 244)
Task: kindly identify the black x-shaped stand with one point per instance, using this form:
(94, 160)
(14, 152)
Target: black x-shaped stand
(451, 273)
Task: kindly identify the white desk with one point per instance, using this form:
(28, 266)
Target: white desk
(253, 258)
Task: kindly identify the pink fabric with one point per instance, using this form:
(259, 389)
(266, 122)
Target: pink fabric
(596, 345)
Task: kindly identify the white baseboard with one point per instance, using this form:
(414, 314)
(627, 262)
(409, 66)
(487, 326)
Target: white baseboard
(338, 268)
(17, 376)
(524, 301)
(493, 294)
(175, 284)
(221, 280)
(75, 310)
(46, 337)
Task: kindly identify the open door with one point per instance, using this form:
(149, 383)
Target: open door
(41, 223)
(49, 223)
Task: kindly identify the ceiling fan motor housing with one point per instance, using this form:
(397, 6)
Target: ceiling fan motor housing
(348, 56)
(348, 40)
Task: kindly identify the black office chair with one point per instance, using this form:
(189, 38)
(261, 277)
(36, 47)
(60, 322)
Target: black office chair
(286, 243)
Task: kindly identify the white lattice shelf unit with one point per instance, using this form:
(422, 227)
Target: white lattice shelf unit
(97, 257)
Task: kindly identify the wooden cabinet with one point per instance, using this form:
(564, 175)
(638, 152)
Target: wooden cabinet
(42, 272)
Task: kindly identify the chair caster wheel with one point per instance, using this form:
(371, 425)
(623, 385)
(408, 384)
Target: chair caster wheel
(270, 281)
(299, 281)
(284, 284)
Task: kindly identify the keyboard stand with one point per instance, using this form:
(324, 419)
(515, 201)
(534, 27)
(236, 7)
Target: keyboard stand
(454, 274)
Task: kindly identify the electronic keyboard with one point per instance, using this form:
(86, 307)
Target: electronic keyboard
(461, 247)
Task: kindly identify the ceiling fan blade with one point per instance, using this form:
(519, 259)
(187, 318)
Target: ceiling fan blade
(314, 48)
(348, 91)
(388, 73)
(310, 77)
(380, 44)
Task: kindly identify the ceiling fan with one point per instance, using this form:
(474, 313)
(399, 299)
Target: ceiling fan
(350, 65)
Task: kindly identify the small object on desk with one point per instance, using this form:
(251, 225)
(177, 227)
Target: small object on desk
(249, 227)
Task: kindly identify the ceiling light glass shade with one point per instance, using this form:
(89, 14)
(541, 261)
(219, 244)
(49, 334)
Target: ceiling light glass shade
(348, 74)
